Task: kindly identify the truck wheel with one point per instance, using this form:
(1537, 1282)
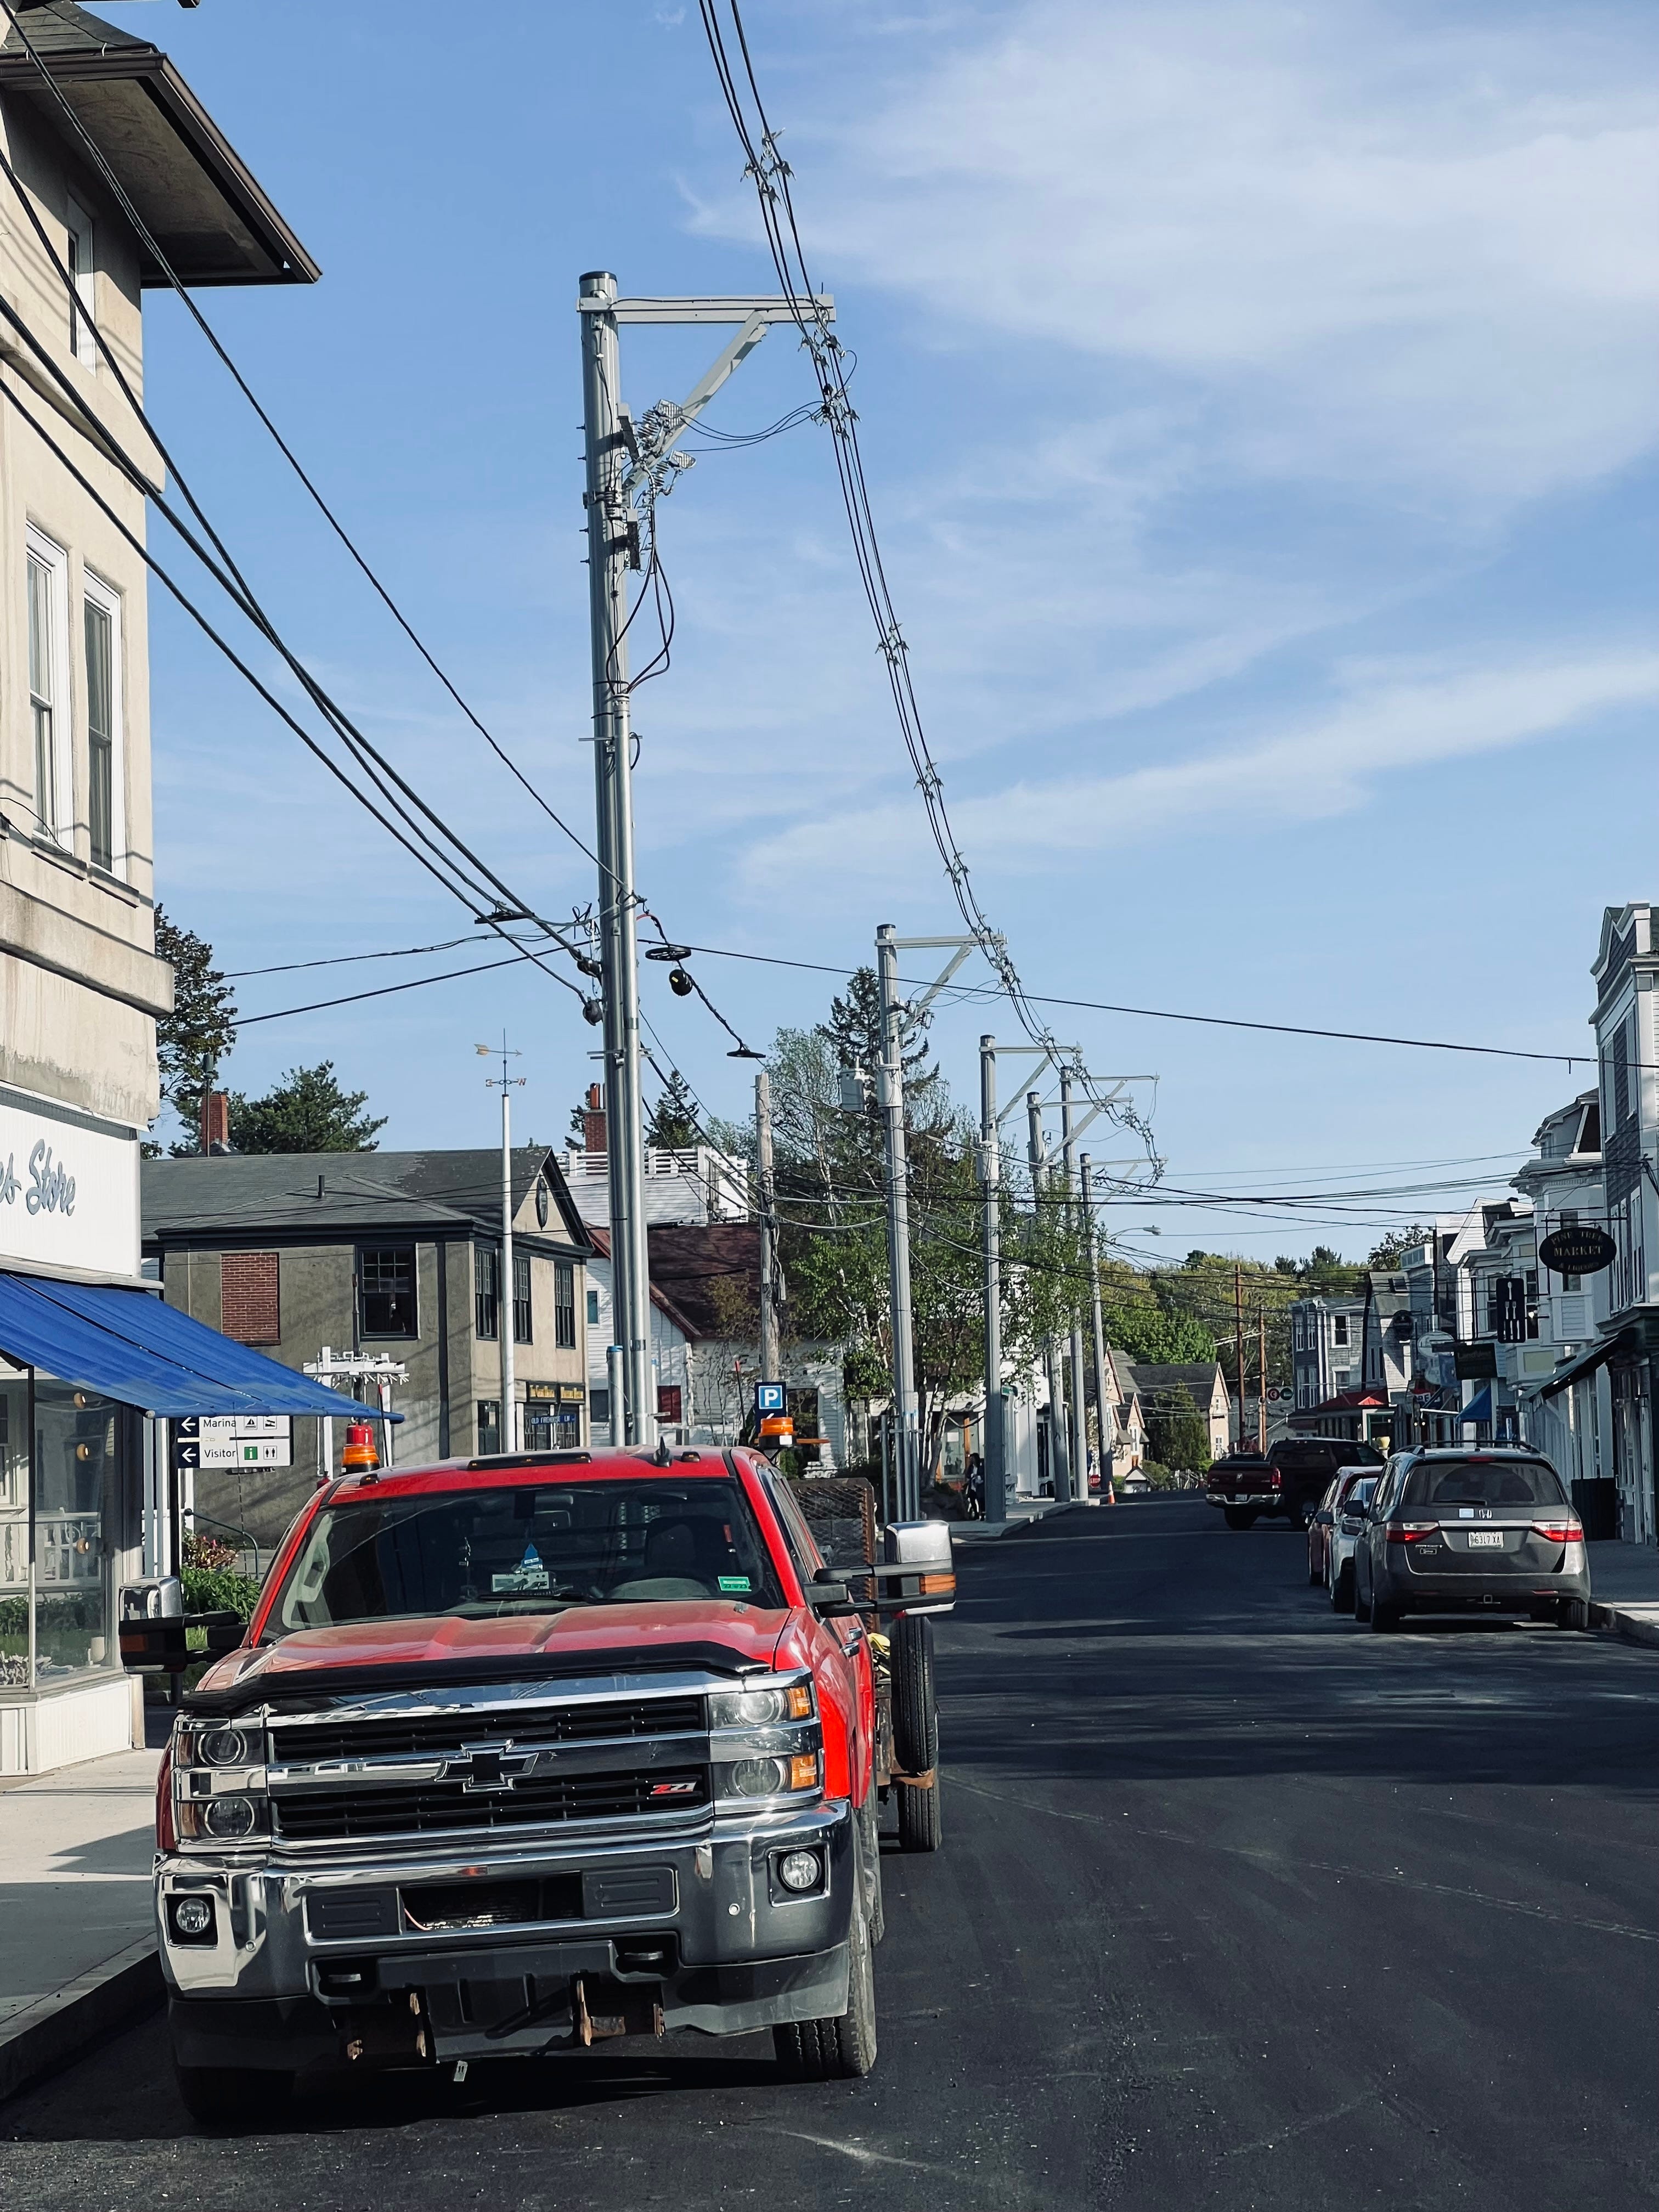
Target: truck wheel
(916, 1712)
(1238, 1517)
(920, 1820)
(227, 2096)
(870, 1854)
(842, 2049)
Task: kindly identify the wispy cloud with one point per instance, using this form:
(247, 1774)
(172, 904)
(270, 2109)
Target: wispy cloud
(1327, 765)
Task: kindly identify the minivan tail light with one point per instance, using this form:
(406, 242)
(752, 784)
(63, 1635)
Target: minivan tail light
(1559, 1532)
(1410, 1532)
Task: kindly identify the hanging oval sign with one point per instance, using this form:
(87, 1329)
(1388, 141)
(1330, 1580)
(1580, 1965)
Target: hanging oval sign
(1580, 1250)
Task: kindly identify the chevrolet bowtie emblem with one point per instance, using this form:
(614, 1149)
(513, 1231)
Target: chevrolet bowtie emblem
(497, 1768)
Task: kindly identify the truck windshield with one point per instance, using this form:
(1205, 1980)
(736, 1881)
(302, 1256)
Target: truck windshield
(522, 1549)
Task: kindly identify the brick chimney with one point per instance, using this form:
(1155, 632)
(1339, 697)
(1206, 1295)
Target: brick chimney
(594, 1127)
(216, 1121)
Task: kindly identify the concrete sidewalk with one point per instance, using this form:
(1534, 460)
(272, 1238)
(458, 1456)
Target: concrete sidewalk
(77, 1944)
(1624, 1591)
(1022, 1512)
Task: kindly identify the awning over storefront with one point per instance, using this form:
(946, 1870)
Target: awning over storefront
(1587, 1363)
(127, 1345)
(1480, 1407)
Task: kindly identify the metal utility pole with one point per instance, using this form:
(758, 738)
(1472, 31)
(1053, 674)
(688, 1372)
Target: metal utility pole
(1261, 1378)
(620, 461)
(1092, 1232)
(997, 1486)
(609, 544)
(1238, 1343)
(771, 1359)
(1079, 1396)
(1057, 1442)
(508, 1427)
(907, 1439)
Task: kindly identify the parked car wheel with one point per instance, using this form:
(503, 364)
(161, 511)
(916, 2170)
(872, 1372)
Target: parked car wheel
(920, 1820)
(1342, 1591)
(1239, 1517)
(1362, 1601)
(1386, 1617)
(916, 1711)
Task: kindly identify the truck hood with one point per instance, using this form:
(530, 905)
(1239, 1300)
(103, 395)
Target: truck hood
(724, 1634)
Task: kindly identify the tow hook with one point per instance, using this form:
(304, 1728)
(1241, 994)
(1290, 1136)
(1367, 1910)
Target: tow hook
(625, 2011)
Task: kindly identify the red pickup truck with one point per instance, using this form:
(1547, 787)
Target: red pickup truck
(527, 1751)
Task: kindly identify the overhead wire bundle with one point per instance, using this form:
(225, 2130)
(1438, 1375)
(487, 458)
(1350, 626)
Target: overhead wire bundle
(771, 174)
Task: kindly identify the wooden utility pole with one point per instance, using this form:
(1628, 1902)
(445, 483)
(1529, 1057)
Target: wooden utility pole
(1239, 1343)
(1261, 1378)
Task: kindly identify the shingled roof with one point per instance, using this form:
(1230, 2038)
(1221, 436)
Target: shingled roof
(236, 1197)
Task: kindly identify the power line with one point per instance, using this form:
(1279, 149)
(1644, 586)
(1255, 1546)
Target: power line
(385, 991)
(771, 174)
(330, 517)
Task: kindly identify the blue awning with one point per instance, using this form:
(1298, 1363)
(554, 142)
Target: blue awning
(129, 1346)
(1480, 1407)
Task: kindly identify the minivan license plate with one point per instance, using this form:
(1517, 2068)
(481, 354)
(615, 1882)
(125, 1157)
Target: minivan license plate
(1486, 1540)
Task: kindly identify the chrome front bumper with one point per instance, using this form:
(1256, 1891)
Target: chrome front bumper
(695, 1923)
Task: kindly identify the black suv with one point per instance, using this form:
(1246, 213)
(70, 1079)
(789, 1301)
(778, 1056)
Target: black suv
(1287, 1481)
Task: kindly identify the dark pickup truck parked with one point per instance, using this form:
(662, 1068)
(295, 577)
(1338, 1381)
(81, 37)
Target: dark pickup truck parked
(1287, 1482)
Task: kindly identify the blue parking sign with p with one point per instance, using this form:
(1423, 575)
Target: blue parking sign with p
(770, 1398)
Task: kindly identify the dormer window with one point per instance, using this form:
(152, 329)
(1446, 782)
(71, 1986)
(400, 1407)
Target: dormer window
(82, 344)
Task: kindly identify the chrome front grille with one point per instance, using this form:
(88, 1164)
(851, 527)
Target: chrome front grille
(316, 1816)
(438, 1735)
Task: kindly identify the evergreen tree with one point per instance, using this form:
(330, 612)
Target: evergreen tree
(192, 1042)
(673, 1126)
(306, 1112)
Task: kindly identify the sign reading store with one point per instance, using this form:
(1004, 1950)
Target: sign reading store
(69, 1189)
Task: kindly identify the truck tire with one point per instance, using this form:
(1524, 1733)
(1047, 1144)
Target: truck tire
(1239, 1517)
(920, 1823)
(870, 1857)
(916, 1711)
(229, 2096)
(842, 2050)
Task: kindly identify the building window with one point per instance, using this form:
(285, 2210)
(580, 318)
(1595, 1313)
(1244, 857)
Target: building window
(541, 1415)
(521, 1298)
(486, 1288)
(48, 679)
(599, 1406)
(386, 1291)
(564, 1305)
(250, 1306)
(489, 1426)
(1339, 1328)
(101, 616)
(82, 314)
(670, 1399)
(592, 1309)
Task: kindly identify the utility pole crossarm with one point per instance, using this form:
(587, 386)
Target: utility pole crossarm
(713, 307)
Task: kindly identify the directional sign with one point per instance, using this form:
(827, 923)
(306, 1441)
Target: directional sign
(234, 1440)
(770, 1398)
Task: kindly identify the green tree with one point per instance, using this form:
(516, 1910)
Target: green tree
(1176, 1434)
(193, 1041)
(1390, 1250)
(673, 1126)
(306, 1112)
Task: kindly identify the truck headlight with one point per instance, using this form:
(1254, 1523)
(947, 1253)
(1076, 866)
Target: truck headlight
(763, 1708)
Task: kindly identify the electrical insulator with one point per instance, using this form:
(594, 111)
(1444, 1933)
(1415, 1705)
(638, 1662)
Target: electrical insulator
(594, 1011)
(680, 983)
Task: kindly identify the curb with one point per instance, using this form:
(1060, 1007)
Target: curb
(58, 2028)
(1633, 1624)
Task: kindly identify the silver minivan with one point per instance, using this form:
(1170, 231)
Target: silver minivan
(1461, 1531)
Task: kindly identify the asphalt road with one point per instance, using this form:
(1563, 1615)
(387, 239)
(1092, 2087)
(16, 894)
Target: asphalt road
(1240, 1905)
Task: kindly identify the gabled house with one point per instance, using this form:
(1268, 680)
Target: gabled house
(392, 1252)
(1201, 1381)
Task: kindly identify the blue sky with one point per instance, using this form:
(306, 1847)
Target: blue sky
(1260, 411)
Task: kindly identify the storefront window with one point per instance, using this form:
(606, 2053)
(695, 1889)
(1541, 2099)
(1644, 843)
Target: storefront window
(77, 1503)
